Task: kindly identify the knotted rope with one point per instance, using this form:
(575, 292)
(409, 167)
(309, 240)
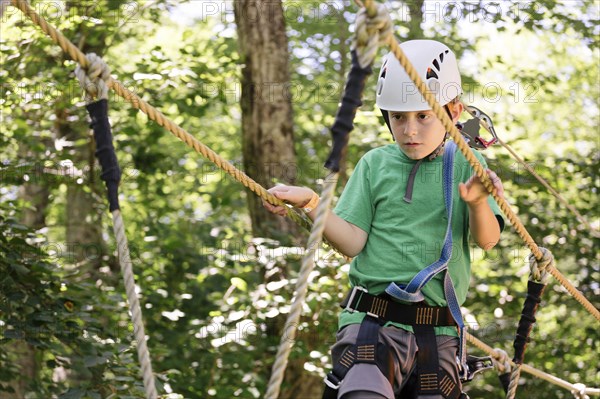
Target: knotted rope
(94, 78)
(155, 115)
(373, 28)
(501, 361)
(540, 268)
(580, 391)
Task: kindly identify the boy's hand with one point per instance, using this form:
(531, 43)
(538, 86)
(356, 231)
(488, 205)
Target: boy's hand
(473, 191)
(293, 195)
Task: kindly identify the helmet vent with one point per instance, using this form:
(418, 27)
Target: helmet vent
(383, 69)
(431, 74)
(436, 65)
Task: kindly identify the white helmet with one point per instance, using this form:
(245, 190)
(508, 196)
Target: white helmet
(434, 62)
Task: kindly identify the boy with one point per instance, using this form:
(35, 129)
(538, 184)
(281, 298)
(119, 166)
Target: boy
(394, 340)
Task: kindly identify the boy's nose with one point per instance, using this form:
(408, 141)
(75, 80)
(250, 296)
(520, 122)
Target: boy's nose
(410, 129)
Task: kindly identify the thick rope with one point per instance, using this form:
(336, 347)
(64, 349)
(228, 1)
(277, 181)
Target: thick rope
(308, 262)
(539, 178)
(154, 114)
(95, 78)
(514, 382)
(478, 168)
(501, 361)
(540, 268)
(134, 305)
(497, 355)
(372, 30)
(580, 391)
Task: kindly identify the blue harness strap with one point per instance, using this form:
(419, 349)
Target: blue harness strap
(412, 291)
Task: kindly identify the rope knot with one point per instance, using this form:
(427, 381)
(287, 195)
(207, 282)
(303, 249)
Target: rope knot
(94, 79)
(501, 361)
(579, 391)
(540, 268)
(371, 32)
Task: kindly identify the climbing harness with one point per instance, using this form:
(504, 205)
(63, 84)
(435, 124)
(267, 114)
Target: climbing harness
(431, 378)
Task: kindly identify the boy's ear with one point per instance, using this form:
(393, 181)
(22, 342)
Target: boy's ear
(456, 109)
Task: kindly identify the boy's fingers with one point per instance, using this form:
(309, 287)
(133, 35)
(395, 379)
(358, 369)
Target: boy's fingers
(462, 190)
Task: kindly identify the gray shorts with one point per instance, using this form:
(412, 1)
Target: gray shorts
(403, 346)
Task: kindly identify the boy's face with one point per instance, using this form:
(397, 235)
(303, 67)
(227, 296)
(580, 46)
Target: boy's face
(419, 133)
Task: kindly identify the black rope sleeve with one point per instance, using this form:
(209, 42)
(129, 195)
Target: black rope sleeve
(105, 151)
(504, 381)
(532, 302)
(343, 124)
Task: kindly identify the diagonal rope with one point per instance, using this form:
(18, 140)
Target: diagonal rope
(308, 263)
(478, 168)
(154, 114)
(539, 178)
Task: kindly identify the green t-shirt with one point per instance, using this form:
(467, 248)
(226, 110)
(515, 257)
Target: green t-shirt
(404, 238)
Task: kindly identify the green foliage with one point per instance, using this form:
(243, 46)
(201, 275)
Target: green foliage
(48, 308)
(212, 295)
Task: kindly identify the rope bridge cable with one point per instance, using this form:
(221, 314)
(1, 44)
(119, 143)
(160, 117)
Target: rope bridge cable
(595, 232)
(154, 114)
(478, 168)
(494, 353)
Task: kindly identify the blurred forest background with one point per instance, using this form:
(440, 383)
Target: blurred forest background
(215, 275)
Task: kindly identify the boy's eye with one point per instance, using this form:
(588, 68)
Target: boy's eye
(397, 116)
(423, 116)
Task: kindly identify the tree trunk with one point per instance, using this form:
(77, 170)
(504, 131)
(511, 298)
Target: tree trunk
(268, 140)
(267, 135)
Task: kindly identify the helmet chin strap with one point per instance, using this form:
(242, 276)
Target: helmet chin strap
(434, 154)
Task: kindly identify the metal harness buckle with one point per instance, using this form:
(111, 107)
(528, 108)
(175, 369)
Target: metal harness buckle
(333, 385)
(351, 299)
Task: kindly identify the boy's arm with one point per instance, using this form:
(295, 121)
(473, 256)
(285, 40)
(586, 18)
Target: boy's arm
(483, 224)
(346, 237)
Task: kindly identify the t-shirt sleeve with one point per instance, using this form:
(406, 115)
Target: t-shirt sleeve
(491, 201)
(355, 205)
